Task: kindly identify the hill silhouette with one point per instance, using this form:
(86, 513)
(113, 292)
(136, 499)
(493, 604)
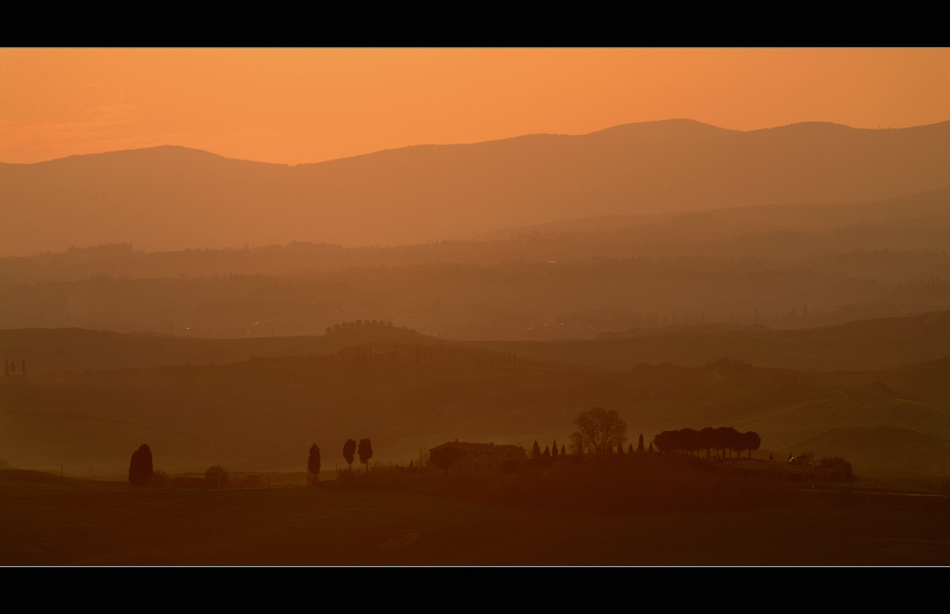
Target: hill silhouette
(884, 343)
(784, 266)
(78, 350)
(169, 198)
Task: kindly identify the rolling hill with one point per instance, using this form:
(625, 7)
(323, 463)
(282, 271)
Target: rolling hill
(172, 198)
(264, 413)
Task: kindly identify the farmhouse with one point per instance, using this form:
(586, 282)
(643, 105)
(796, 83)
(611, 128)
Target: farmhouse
(483, 457)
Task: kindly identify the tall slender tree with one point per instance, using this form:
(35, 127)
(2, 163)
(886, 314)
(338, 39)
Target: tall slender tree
(313, 465)
(140, 468)
(349, 449)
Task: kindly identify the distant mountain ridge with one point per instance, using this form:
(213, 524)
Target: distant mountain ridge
(171, 198)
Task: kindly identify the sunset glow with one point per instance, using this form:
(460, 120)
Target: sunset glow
(295, 106)
(475, 307)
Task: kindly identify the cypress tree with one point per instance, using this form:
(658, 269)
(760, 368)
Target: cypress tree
(313, 464)
(536, 451)
(140, 468)
(640, 445)
(554, 449)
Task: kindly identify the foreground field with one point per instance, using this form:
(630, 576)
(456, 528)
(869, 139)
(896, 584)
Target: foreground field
(52, 521)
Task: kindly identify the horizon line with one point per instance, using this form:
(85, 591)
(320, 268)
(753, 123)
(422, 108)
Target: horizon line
(659, 121)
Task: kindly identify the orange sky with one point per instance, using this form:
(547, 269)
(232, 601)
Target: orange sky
(308, 105)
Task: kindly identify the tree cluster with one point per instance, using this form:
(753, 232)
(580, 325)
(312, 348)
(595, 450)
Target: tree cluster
(723, 439)
(357, 323)
(365, 452)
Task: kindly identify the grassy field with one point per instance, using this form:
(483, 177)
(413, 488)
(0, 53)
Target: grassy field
(48, 520)
(264, 414)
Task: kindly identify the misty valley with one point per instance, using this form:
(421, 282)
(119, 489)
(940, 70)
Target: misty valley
(455, 318)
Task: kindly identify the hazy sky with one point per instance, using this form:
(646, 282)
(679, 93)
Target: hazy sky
(307, 105)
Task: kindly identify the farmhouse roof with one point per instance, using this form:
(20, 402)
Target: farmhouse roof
(477, 448)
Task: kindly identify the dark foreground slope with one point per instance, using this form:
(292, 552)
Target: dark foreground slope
(305, 526)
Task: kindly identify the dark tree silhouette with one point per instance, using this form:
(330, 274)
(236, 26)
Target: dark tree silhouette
(707, 439)
(140, 468)
(313, 464)
(536, 452)
(563, 450)
(554, 449)
(366, 452)
(349, 449)
(599, 430)
(752, 441)
(725, 437)
(630, 449)
(640, 445)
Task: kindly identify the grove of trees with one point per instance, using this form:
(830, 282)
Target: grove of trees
(722, 439)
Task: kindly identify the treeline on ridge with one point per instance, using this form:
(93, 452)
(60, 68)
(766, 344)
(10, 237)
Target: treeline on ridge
(723, 439)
